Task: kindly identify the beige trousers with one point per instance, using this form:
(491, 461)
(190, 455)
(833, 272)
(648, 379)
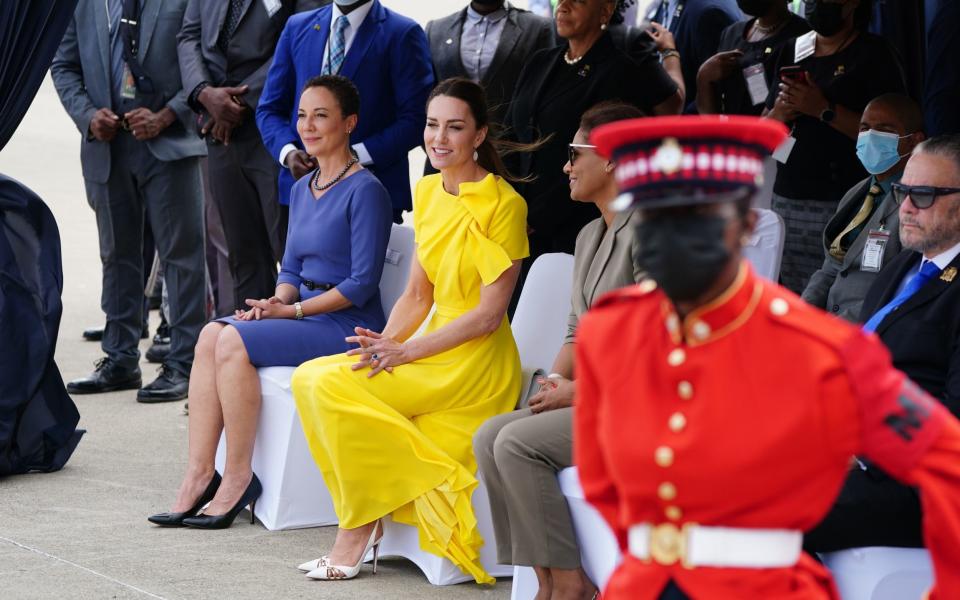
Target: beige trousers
(519, 455)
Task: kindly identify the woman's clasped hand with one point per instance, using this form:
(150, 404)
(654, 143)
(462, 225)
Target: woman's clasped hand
(555, 392)
(377, 352)
(271, 308)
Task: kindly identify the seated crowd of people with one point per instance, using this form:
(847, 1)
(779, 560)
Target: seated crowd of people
(306, 115)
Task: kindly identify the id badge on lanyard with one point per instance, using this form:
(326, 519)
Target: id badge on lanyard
(871, 261)
(128, 90)
(756, 82)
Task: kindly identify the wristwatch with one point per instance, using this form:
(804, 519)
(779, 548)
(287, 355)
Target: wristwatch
(829, 113)
(299, 309)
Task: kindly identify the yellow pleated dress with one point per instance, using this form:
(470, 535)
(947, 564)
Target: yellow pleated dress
(399, 443)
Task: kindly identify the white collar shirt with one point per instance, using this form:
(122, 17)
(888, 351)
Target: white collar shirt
(355, 19)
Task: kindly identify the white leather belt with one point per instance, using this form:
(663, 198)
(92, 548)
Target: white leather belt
(697, 546)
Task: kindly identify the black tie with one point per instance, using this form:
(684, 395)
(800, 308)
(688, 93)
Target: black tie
(234, 13)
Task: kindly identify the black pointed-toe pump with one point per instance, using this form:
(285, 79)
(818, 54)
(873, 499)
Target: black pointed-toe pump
(175, 519)
(249, 498)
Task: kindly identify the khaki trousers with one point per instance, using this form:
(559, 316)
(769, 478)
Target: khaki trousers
(519, 455)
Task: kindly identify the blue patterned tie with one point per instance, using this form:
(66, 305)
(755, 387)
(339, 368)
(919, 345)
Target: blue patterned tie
(337, 46)
(927, 271)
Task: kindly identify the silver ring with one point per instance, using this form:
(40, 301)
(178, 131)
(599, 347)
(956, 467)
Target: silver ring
(374, 357)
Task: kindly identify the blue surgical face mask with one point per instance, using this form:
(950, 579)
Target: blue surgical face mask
(878, 150)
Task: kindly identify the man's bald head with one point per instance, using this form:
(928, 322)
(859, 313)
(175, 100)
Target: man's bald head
(900, 108)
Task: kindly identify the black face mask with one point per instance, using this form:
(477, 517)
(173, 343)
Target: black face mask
(684, 254)
(755, 8)
(826, 18)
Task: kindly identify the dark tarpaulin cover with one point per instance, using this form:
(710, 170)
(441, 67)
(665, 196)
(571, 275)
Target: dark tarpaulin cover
(38, 419)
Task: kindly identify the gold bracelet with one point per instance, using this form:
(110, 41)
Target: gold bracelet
(668, 53)
(299, 309)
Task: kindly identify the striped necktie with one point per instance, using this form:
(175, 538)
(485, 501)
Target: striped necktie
(840, 245)
(337, 46)
(928, 270)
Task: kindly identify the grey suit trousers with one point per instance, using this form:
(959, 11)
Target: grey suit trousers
(170, 193)
(519, 455)
(243, 186)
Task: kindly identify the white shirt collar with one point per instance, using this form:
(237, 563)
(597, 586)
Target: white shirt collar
(944, 258)
(355, 18)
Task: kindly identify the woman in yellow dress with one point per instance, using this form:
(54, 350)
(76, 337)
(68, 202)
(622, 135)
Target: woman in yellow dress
(390, 422)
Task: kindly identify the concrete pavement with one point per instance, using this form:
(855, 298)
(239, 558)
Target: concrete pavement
(82, 532)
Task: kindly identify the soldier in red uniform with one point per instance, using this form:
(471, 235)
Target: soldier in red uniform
(717, 414)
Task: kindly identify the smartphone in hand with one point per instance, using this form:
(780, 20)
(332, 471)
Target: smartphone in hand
(793, 73)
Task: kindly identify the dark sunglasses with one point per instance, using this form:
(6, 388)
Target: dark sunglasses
(573, 151)
(922, 196)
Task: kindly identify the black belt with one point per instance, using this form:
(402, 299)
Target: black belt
(310, 285)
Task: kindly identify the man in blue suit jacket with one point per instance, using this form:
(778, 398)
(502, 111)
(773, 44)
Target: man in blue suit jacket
(696, 26)
(386, 57)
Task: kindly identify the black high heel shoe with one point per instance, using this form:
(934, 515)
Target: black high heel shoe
(249, 497)
(175, 519)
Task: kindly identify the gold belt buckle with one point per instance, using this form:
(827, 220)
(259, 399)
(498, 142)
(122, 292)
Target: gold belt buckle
(668, 544)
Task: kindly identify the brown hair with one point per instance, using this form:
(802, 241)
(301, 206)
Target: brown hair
(608, 111)
(491, 152)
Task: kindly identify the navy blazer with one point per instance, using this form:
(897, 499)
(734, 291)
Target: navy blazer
(923, 334)
(388, 61)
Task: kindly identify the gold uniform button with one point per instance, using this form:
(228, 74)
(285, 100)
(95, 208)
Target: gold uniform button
(701, 330)
(677, 422)
(673, 513)
(667, 491)
(676, 357)
(779, 307)
(673, 323)
(663, 456)
(685, 390)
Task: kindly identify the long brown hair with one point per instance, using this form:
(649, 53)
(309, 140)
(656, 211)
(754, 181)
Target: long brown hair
(491, 152)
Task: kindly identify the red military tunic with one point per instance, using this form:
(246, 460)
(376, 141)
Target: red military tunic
(747, 414)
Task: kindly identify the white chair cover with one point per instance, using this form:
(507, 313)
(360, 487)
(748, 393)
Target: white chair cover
(880, 573)
(765, 248)
(294, 494)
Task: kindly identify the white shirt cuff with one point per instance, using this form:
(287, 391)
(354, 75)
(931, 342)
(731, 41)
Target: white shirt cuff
(284, 152)
(362, 155)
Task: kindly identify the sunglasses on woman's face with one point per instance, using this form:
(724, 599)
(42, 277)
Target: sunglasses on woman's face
(573, 151)
(922, 196)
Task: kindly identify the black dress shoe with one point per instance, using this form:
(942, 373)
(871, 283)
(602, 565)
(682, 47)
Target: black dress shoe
(162, 336)
(249, 497)
(175, 519)
(95, 334)
(108, 377)
(169, 386)
(157, 353)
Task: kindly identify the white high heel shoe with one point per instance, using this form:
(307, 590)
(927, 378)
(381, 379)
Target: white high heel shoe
(325, 571)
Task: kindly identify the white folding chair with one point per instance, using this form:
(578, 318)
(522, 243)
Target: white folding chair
(880, 573)
(294, 494)
(765, 248)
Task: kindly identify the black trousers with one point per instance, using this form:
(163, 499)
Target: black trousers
(871, 510)
(243, 187)
(170, 192)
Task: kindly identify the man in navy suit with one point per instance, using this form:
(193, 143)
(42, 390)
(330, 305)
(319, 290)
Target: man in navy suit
(385, 55)
(696, 26)
(914, 307)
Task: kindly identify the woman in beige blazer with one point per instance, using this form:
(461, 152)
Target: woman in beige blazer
(520, 453)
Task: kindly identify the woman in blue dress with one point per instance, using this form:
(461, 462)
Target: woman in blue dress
(340, 219)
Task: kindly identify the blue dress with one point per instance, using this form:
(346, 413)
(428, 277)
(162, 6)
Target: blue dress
(340, 240)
